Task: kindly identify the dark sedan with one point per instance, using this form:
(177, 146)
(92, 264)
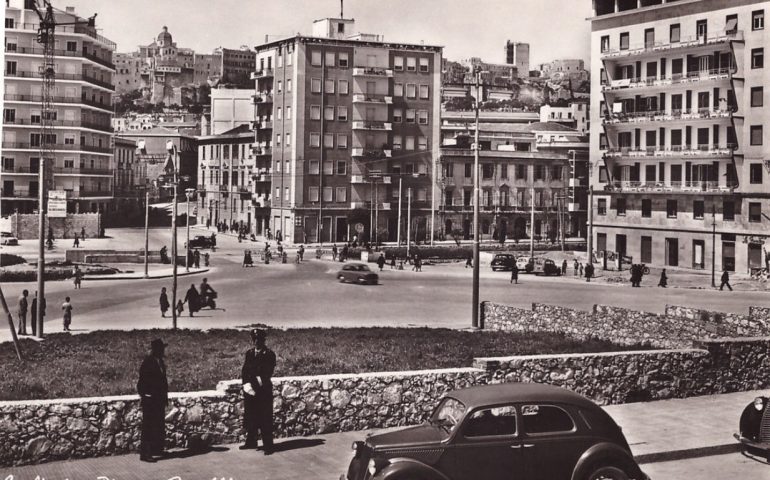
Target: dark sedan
(501, 432)
(754, 428)
(503, 261)
(201, 241)
(357, 273)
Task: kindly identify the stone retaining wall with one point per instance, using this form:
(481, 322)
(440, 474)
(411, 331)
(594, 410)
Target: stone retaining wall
(45, 430)
(24, 225)
(678, 327)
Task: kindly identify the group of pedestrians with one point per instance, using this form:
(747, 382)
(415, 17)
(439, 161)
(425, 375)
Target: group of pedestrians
(26, 306)
(256, 384)
(195, 299)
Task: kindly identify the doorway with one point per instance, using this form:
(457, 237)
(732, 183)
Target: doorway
(755, 255)
(698, 254)
(341, 232)
(672, 252)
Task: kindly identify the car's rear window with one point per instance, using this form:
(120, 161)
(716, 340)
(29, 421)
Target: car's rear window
(543, 419)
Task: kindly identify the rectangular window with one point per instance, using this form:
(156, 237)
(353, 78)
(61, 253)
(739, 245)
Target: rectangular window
(410, 115)
(342, 141)
(342, 167)
(398, 89)
(423, 65)
(278, 192)
(758, 20)
(755, 212)
(315, 112)
(398, 64)
(330, 59)
(408, 143)
(620, 207)
(757, 96)
(72, 46)
(424, 92)
(675, 33)
(342, 194)
(288, 139)
(411, 64)
(288, 86)
(701, 28)
(328, 140)
(343, 87)
(329, 113)
(277, 143)
(411, 90)
(328, 194)
(757, 57)
(756, 135)
(624, 41)
(312, 193)
(9, 23)
(279, 113)
(698, 209)
(279, 87)
(315, 140)
(10, 68)
(397, 115)
(288, 113)
(342, 59)
(728, 210)
(315, 85)
(396, 142)
(646, 208)
(9, 115)
(328, 167)
(422, 143)
(329, 86)
(422, 117)
(315, 58)
(755, 173)
(342, 114)
(671, 208)
(313, 167)
(605, 43)
(601, 206)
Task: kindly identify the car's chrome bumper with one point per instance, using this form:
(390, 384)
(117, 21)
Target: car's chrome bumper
(751, 443)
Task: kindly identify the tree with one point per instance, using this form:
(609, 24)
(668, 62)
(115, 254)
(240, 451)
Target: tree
(460, 103)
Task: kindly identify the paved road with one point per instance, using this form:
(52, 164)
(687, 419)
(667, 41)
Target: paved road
(717, 467)
(308, 295)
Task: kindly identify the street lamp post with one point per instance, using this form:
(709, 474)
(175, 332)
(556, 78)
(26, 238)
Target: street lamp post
(713, 245)
(189, 194)
(174, 157)
(146, 230)
(475, 300)
(398, 228)
(408, 219)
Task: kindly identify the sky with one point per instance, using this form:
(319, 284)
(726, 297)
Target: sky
(553, 28)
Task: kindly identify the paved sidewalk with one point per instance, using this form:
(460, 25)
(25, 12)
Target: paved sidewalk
(656, 431)
(152, 273)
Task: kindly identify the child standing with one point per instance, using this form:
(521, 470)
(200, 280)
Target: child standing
(179, 308)
(164, 305)
(67, 307)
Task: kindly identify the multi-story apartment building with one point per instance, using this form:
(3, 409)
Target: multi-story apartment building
(522, 165)
(81, 116)
(678, 143)
(575, 115)
(343, 117)
(237, 66)
(234, 181)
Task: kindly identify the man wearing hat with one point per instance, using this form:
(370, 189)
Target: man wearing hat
(153, 392)
(258, 367)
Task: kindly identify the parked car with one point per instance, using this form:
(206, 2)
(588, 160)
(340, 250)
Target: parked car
(522, 263)
(357, 273)
(754, 428)
(503, 261)
(200, 241)
(499, 432)
(545, 266)
(7, 238)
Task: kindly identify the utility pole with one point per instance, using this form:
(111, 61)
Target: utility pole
(408, 219)
(174, 158)
(713, 245)
(475, 320)
(590, 243)
(532, 223)
(376, 213)
(14, 337)
(371, 210)
(146, 230)
(398, 229)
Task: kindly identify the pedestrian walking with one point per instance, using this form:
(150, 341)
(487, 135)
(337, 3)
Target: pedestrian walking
(197, 259)
(33, 311)
(192, 299)
(381, 261)
(589, 271)
(247, 260)
(256, 374)
(725, 281)
(418, 263)
(76, 243)
(576, 266)
(153, 392)
(469, 261)
(179, 308)
(23, 305)
(206, 259)
(163, 301)
(580, 265)
(334, 252)
(164, 255)
(83, 233)
(393, 261)
(67, 307)
(515, 274)
(663, 282)
(78, 277)
(564, 267)
(301, 252)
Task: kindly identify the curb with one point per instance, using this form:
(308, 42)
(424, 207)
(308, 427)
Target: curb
(688, 453)
(150, 277)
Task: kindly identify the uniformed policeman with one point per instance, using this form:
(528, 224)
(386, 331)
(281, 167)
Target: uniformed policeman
(258, 367)
(153, 391)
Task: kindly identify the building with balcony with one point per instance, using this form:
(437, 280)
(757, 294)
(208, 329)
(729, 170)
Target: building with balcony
(337, 107)
(82, 163)
(540, 165)
(234, 181)
(678, 145)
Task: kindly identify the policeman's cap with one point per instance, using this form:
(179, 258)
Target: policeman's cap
(258, 333)
(158, 344)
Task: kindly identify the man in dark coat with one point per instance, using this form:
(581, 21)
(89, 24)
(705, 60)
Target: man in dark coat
(589, 271)
(258, 367)
(725, 281)
(192, 299)
(381, 261)
(153, 392)
(33, 312)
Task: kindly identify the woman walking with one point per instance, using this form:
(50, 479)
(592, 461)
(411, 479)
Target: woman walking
(67, 307)
(663, 279)
(164, 305)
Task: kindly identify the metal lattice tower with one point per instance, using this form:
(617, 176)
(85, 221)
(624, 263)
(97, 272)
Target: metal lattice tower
(46, 37)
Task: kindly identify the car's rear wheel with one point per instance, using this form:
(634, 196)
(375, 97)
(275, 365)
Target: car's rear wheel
(607, 473)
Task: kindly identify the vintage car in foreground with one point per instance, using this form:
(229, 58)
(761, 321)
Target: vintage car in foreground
(754, 428)
(503, 261)
(502, 432)
(357, 273)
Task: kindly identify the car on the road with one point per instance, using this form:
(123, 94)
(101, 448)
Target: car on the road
(503, 261)
(522, 262)
(201, 241)
(544, 266)
(754, 428)
(7, 238)
(357, 273)
(501, 432)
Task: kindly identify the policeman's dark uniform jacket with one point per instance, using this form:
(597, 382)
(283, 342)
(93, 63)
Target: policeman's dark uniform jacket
(256, 374)
(153, 391)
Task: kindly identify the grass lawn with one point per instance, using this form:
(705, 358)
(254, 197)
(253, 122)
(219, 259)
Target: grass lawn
(107, 362)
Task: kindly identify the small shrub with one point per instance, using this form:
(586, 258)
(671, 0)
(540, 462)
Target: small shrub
(31, 275)
(8, 259)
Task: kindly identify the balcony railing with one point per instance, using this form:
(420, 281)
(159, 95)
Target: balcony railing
(704, 150)
(19, 169)
(61, 76)
(684, 43)
(372, 72)
(18, 193)
(57, 146)
(371, 153)
(665, 116)
(82, 171)
(366, 98)
(92, 193)
(371, 125)
(59, 53)
(670, 186)
(264, 73)
(61, 123)
(676, 79)
(78, 29)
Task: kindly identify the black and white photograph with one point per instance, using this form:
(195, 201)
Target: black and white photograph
(385, 240)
